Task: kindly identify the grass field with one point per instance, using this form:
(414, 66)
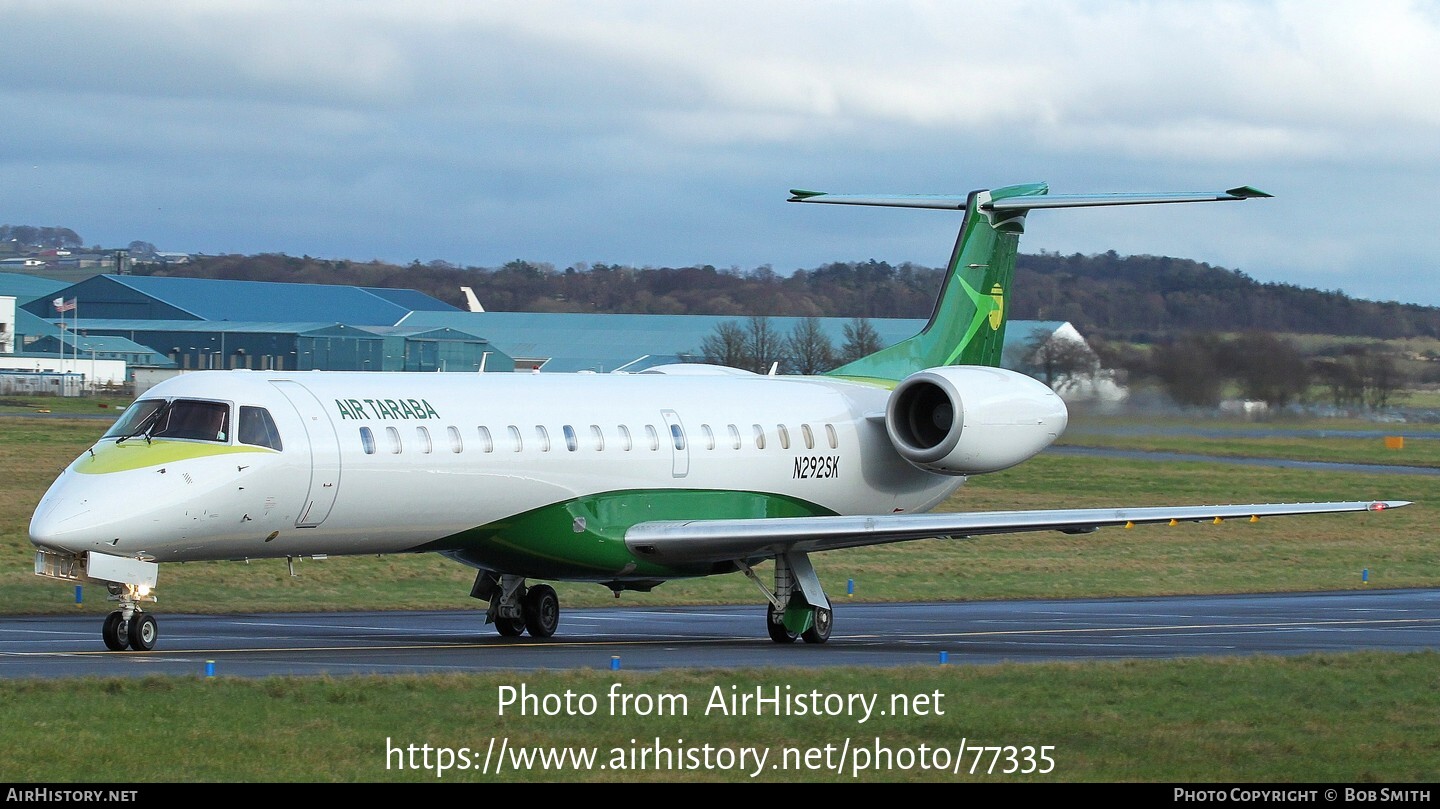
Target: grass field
(1337, 449)
(1359, 717)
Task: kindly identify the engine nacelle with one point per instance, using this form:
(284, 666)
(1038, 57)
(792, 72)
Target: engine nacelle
(967, 420)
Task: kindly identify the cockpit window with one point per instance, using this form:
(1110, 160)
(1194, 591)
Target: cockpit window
(133, 416)
(202, 421)
(258, 428)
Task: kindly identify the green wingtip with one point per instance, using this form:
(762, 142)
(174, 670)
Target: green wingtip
(797, 193)
(1247, 192)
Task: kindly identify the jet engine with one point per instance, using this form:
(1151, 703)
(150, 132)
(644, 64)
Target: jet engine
(967, 420)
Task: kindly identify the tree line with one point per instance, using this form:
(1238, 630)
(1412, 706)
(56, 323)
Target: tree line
(756, 345)
(1200, 369)
(40, 237)
(1133, 298)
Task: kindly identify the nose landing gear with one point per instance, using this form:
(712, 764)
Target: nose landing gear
(129, 581)
(129, 627)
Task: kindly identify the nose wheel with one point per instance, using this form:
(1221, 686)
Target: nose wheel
(130, 627)
(138, 632)
(116, 639)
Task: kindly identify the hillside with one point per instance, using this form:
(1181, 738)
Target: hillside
(1127, 297)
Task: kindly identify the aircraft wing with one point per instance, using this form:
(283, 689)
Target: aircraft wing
(691, 541)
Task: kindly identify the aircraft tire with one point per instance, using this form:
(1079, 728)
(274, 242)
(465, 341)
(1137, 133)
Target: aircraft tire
(510, 627)
(114, 633)
(819, 630)
(144, 630)
(541, 607)
(775, 624)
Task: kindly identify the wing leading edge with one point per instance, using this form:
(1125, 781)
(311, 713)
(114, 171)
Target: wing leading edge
(724, 540)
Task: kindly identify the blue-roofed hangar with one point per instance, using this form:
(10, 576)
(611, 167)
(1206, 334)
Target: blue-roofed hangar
(214, 324)
(142, 297)
(201, 323)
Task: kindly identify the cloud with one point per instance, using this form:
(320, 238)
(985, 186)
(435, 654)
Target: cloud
(664, 132)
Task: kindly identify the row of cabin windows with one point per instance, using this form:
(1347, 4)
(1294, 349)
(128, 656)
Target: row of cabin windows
(625, 440)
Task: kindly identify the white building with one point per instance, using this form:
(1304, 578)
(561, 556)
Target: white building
(7, 324)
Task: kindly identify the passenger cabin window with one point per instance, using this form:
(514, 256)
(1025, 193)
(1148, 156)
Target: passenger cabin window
(572, 442)
(487, 444)
(423, 436)
(678, 436)
(759, 437)
(455, 444)
(599, 437)
(544, 436)
(734, 437)
(784, 436)
(199, 421)
(830, 434)
(515, 438)
(653, 436)
(258, 428)
(394, 436)
(625, 438)
(367, 440)
(709, 436)
(809, 436)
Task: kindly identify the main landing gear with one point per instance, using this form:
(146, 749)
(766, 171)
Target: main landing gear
(516, 609)
(129, 627)
(798, 606)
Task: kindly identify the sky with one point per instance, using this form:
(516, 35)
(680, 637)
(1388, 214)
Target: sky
(669, 133)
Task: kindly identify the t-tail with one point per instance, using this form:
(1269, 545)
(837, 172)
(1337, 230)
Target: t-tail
(968, 324)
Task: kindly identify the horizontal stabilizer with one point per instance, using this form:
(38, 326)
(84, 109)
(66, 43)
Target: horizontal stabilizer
(957, 202)
(1095, 200)
(723, 540)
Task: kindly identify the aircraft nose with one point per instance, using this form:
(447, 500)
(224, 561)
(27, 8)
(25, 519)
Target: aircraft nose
(58, 522)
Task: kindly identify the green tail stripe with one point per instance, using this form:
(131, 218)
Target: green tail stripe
(968, 324)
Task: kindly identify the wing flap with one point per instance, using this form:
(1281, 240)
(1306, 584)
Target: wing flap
(721, 540)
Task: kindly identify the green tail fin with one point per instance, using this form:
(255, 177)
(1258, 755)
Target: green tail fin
(968, 324)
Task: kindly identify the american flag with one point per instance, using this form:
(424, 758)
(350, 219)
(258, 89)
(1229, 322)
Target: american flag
(62, 305)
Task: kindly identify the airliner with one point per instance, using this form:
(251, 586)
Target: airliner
(625, 480)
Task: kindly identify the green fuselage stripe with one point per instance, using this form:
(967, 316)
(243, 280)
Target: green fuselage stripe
(584, 538)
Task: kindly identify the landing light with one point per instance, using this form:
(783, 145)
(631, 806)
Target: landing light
(143, 590)
(1377, 506)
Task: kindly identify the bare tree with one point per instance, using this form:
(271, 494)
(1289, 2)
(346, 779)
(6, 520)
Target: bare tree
(861, 340)
(1059, 362)
(811, 351)
(1382, 380)
(763, 345)
(1189, 371)
(1267, 367)
(726, 346)
(1361, 378)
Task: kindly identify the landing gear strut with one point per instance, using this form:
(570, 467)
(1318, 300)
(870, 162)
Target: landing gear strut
(515, 608)
(798, 606)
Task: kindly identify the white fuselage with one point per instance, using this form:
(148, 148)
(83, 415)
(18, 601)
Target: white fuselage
(384, 463)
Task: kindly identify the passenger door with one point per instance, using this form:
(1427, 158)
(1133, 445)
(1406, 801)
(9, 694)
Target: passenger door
(324, 453)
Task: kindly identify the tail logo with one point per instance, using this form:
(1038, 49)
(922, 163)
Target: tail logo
(997, 313)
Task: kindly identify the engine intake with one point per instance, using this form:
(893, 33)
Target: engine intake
(967, 420)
